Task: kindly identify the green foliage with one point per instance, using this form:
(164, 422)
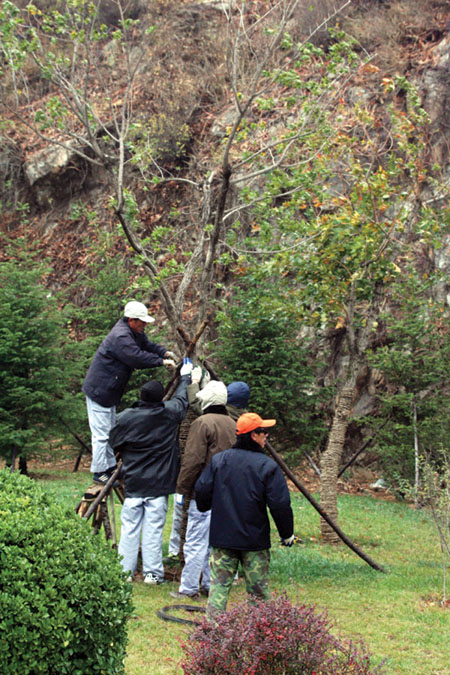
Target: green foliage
(415, 363)
(435, 492)
(262, 344)
(160, 138)
(64, 601)
(33, 385)
(334, 225)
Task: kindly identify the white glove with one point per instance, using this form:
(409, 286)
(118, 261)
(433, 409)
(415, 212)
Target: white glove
(170, 363)
(196, 374)
(186, 368)
(179, 499)
(289, 541)
(171, 355)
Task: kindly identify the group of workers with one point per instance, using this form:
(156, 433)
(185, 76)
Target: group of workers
(224, 474)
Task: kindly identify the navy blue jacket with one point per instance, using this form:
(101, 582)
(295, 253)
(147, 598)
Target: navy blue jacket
(146, 435)
(119, 354)
(237, 485)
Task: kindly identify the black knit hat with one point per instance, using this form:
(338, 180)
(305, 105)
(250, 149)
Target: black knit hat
(152, 392)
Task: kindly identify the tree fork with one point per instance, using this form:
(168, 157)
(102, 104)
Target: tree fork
(191, 344)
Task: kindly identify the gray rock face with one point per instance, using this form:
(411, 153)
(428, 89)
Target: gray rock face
(434, 86)
(224, 121)
(48, 161)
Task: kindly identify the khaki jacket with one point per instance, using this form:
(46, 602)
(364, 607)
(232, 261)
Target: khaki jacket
(208, 434)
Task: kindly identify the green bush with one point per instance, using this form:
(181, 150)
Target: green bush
(64, 601)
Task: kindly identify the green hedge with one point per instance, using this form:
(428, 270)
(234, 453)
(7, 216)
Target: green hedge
(64, 601)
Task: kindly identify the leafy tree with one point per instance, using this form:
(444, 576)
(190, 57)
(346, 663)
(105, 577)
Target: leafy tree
(34, 378)
(338, 232)
(262, 343)
(88, 114)
(415, 364)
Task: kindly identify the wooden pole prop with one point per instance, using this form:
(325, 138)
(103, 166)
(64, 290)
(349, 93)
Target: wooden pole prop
(113, 518)
(104, 491)
(80, 441)
(320, 510)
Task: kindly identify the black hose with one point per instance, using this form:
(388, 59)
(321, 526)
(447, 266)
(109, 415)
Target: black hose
(163, 613)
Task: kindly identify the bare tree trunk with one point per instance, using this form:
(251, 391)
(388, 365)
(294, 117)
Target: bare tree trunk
(329, 465)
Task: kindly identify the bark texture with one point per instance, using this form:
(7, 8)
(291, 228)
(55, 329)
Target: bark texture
(329, 466)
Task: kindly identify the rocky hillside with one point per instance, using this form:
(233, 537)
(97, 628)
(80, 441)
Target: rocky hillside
(182, 97)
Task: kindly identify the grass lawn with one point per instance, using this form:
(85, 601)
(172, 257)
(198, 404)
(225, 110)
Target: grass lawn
(397, 614)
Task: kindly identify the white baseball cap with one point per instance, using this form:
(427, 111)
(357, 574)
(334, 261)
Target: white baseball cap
(137, 310)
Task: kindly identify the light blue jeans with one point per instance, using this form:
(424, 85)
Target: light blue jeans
(174, 541)
(146, 516)
(101, 421)
(196, 551)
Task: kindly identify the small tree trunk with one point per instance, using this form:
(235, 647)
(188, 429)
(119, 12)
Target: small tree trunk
(13, 459)
(329, 465)
(23, 465)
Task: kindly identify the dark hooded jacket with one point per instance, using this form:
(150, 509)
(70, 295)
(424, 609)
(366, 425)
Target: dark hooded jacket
(238, 484)
(118, 355)
(146, 435)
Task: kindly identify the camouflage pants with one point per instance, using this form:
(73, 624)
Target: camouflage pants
(224, 563)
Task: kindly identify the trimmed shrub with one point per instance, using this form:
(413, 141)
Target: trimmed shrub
(64, 600)
(269, 638)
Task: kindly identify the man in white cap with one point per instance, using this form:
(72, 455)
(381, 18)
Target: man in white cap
(125, 348)
(210, 433)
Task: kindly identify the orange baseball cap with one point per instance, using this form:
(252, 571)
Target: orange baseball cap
(251, 421)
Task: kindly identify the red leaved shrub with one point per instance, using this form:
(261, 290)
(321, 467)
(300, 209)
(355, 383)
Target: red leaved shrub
(270, 638)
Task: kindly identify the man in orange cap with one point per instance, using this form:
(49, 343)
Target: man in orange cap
(238, 485)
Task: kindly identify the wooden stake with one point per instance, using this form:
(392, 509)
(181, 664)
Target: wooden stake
(322, 513)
